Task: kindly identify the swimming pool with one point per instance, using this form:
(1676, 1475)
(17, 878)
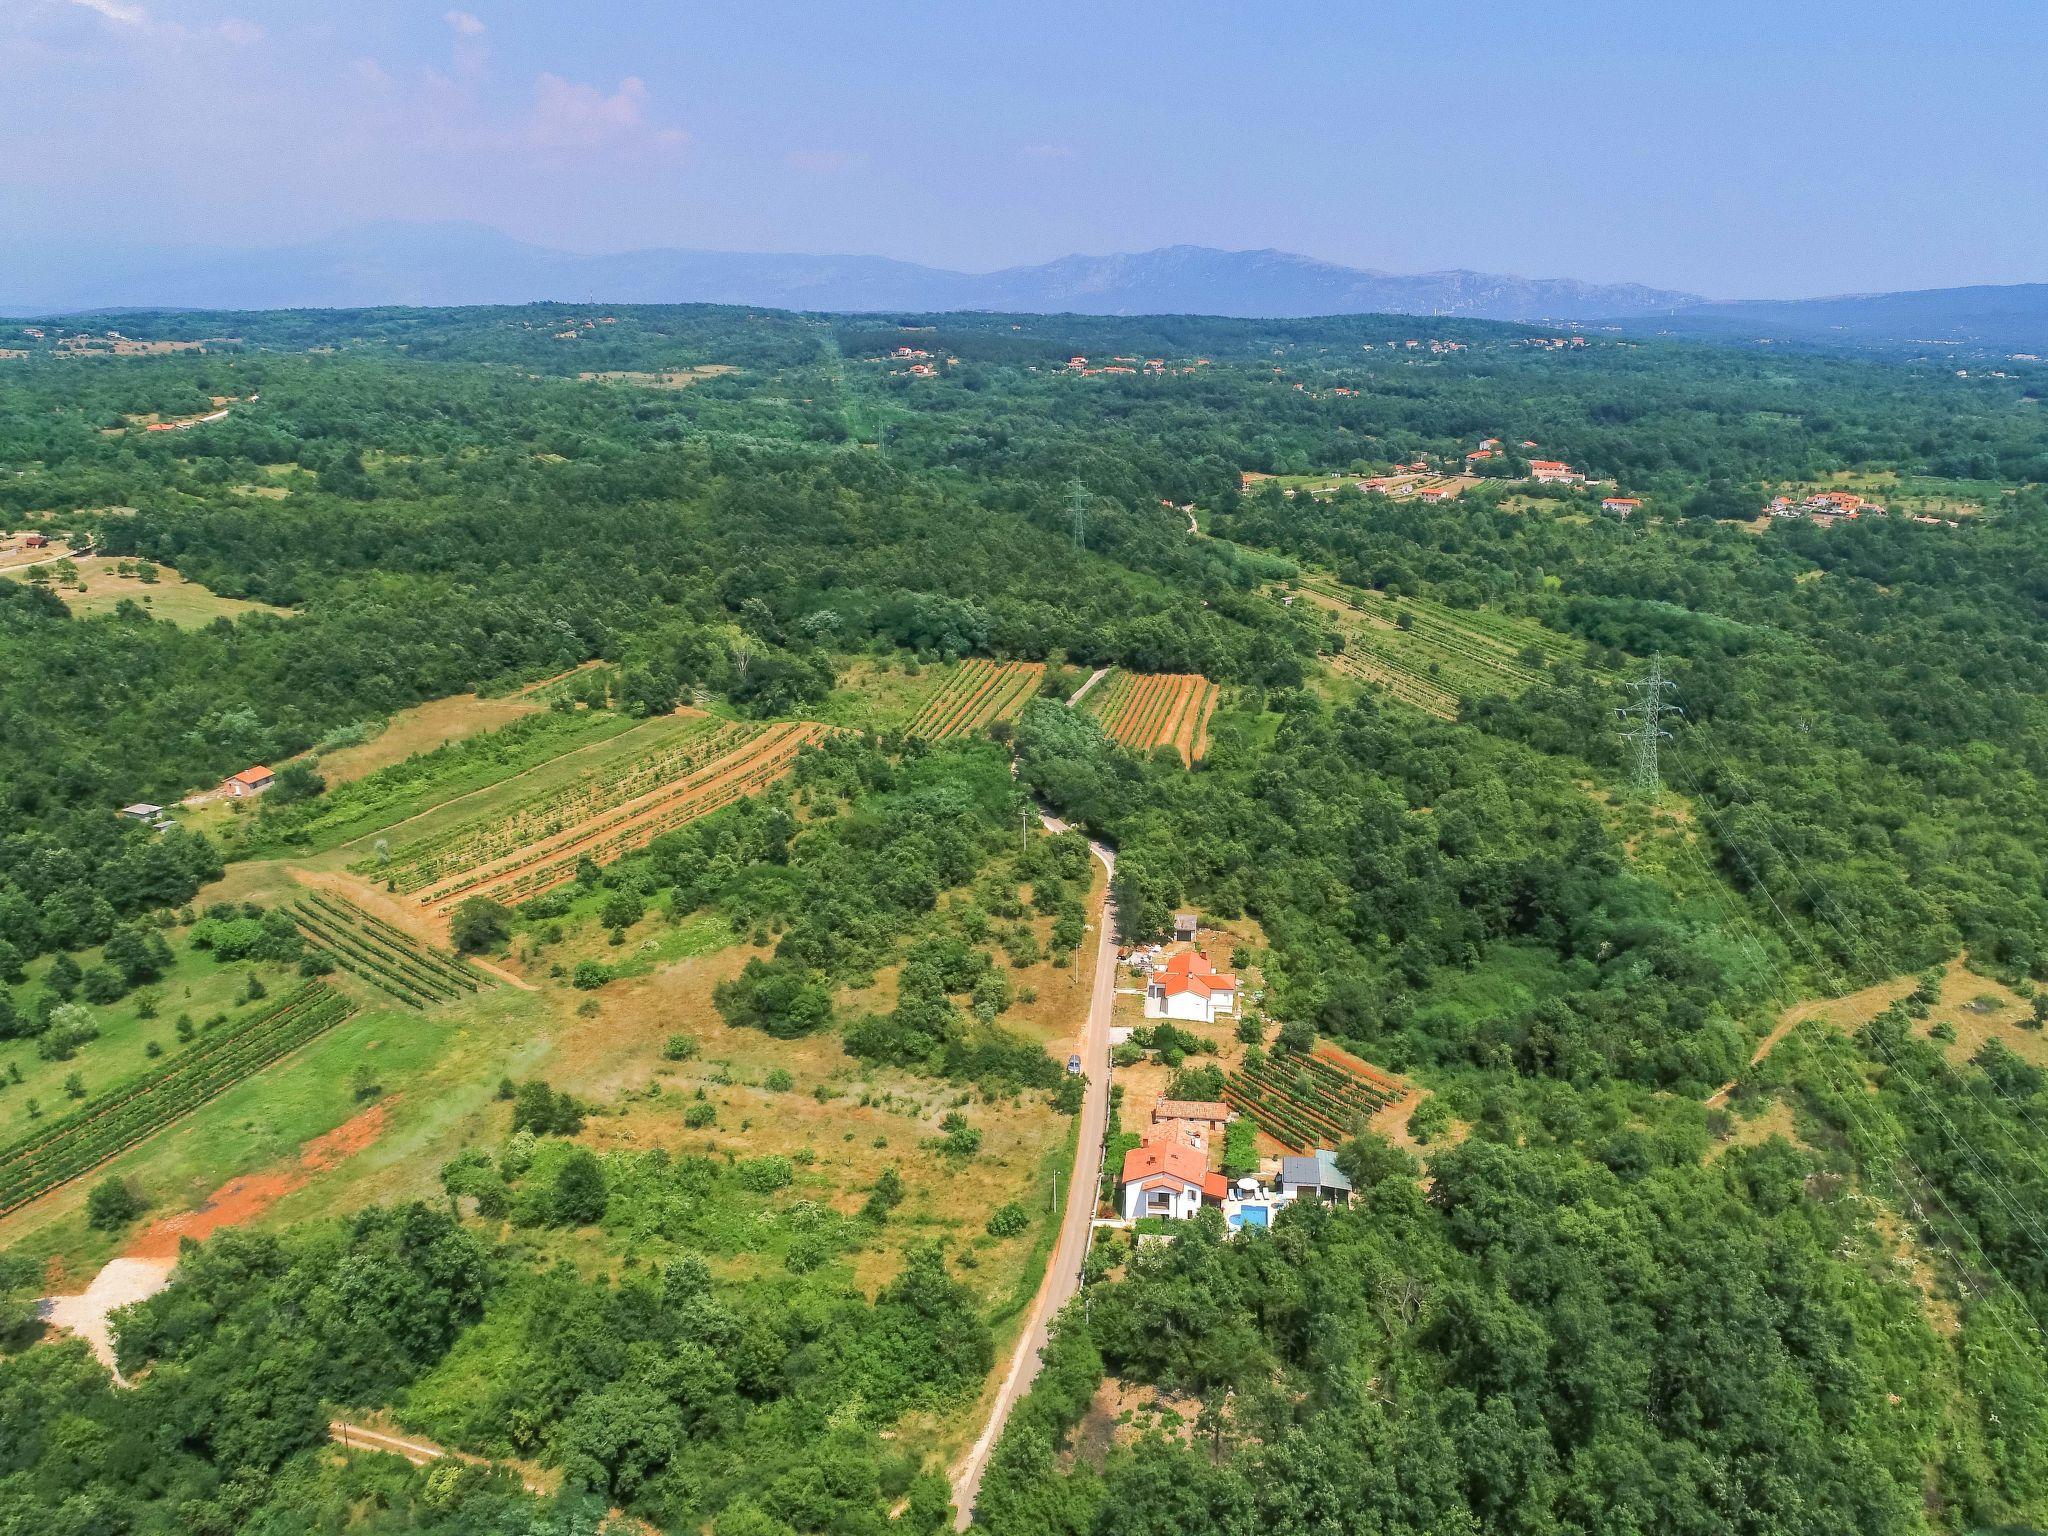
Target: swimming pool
(1252, 1216)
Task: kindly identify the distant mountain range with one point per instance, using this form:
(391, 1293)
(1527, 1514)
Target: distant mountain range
(435, 264)
(453, 263)
(2012, 317)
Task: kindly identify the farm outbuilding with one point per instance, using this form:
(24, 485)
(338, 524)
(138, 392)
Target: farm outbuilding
(250, 781)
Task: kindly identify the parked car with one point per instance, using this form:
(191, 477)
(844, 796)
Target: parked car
(1074, 1064)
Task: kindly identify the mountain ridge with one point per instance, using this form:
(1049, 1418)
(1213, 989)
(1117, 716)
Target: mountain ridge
(442, 264)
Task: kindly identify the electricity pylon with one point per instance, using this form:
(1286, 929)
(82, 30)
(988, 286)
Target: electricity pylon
(1647, 729)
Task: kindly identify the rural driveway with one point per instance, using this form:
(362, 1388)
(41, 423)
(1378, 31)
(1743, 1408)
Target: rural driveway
(1070, 1248)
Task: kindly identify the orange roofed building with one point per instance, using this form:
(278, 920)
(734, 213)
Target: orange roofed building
(1161, 1178)
(250, 781)
(1189, 988)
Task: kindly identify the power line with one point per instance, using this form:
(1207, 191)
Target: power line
(1077, 508)
(1648, 711)
(1873, 1128)
(1873, 973)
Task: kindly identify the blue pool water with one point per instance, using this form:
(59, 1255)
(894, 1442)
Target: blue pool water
(1252, 1216)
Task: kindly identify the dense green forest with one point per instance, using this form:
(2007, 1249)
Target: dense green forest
(1595, 1315)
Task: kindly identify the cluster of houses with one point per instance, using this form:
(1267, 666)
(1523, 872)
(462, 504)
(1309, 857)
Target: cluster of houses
(1151, 367)
(1168, 1173)
(1824, 506)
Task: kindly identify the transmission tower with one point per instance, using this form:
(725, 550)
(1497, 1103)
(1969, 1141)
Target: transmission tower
(1077, 505)
(1644, 719)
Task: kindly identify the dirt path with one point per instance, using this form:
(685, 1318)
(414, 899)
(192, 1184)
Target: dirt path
(1082, 692)
(1864, 1004)
(1070, 1249)
(363, 1437)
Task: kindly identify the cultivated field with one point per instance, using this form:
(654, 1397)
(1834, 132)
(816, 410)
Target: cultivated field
(1310, 1101)
(973, 695)
(1429, 655)
(671, 378)
(385, 956)
(1144, 710)
(139, 1109)
(512, 847)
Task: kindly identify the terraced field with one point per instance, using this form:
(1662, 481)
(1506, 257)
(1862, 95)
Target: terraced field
(117, 1120)
(975, 694)
(1144, 710)
(513, 855)
(1308, 1101)
(1429, 655)
(388, 958)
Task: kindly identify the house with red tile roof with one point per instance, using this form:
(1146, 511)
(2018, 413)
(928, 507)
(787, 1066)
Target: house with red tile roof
(1189, 988)
(250, 781)
(1554, 472)
(1620, 504)
(1162, 1178)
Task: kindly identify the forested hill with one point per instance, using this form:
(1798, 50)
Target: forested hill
(1629, 1269)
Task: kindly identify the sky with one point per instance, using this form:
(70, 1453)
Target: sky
(1735, 149)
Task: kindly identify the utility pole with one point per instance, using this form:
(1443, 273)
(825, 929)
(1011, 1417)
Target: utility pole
(1644, 729)
(1077, 505)
(1023, 829)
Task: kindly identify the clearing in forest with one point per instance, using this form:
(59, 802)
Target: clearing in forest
(973, 695)
(1429, 655)
(1143, 710)
(512, 849)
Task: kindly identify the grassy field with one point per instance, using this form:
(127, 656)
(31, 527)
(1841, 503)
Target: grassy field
(169, 597)
(1428, 655)
(197, 985)
(423, 728)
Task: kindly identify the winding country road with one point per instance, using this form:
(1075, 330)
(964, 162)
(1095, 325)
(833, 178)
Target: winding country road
(1070, 1249)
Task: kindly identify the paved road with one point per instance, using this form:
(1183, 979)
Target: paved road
(1070, 1249)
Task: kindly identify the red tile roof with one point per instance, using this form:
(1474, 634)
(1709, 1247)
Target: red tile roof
(256, 775)
(1215, 1186)
(1163, 1157)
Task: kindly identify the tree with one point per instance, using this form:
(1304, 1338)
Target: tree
(479, 924)
(294, 782)
(112, 1204)
(578, 1197)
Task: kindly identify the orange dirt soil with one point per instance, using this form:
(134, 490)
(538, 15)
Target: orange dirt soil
(244, 1199)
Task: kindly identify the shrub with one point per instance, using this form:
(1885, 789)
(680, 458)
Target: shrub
(112, 1204)
(779, 1081)
(590, 975)
(578, 1196)
(700, 1114)
(480, 924)
(1429, 1120)
(764, 1175)
(680, 1048)
(1007, 1220)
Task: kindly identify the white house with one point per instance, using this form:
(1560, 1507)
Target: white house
(1554, 472)
(1163, 1179)
(1189, 988)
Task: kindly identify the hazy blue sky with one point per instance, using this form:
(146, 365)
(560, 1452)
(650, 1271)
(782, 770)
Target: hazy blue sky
(1736, 149)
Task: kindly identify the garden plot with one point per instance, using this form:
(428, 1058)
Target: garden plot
(118, 1120)
(1317, 1100)
(1431, 656)
(1143, 710)
(512, 856)
(976, 694)
(386, 957)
